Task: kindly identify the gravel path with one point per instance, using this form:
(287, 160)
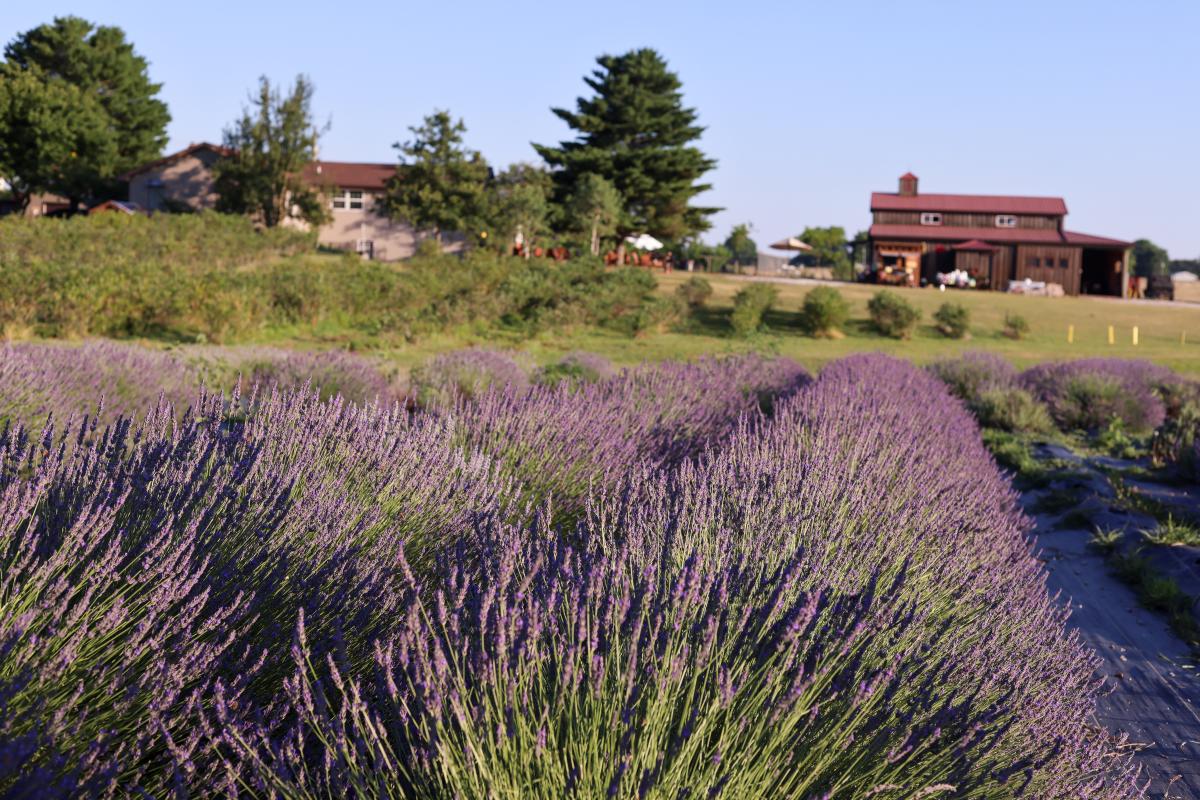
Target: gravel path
(1151, 672)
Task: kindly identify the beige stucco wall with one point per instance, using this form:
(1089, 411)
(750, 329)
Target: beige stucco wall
(392, 240)
(188, 180)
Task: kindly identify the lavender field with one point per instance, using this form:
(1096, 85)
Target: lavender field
(725, 578)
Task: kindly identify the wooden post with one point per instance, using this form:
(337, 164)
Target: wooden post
(1183, 337)
(1112, 335)
(1070, 334)
(1135, 337)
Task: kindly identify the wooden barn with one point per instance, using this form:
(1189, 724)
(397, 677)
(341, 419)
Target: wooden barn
(995, 239)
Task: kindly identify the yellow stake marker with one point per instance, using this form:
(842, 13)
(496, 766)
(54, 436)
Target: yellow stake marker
(1112, 335)
(1070, 334)
(1135, 335)
(1183, 337)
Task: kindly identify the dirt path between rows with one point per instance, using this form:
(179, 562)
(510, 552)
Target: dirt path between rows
(1152, 675)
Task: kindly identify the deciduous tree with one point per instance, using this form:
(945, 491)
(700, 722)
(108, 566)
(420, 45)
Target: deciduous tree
(1149, 259)
(271, 144)
(636, 133)
(743, 248)
(593, 209)
(79, 109)
(829, 248)
(518, 206)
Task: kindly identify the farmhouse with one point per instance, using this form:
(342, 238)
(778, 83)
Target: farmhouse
(184, 181)
(994, 239)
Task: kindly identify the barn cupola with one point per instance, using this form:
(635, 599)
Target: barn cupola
(908, 185)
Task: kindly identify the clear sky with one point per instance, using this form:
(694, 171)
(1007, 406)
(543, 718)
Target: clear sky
(808, 106)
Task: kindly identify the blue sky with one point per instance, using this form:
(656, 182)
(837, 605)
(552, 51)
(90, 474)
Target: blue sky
(809, 107)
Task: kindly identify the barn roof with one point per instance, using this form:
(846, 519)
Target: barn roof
(968, 203)
(967, 236)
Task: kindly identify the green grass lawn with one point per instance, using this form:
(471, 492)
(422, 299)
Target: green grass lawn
(708, 333)
(1160, 327)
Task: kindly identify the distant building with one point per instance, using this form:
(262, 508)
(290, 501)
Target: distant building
(993, 238)
(184, 181)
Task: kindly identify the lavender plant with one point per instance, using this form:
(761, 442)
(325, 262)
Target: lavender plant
(1088, 394)
(288, 597)
(465, 374)
(560, 443)
(799, 615)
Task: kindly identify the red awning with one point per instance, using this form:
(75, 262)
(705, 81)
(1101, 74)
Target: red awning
(976, 245)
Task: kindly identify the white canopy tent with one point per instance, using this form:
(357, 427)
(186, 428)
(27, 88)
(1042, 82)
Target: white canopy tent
(644, 242)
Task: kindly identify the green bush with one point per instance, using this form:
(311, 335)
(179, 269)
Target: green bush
(750, 305)
(1012, 409)
(892, 315)
(824, 312)
(211, 277)
(695, 292)
(952, 320)
(1015, 326)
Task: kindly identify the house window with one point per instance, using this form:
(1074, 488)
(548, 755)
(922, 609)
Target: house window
(1006, 221)
(347, 198)
(931, 218)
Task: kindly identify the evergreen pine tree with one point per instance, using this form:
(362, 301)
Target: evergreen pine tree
(636, 133)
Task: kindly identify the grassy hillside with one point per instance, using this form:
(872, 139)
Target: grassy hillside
(209, 278)
(709, 332)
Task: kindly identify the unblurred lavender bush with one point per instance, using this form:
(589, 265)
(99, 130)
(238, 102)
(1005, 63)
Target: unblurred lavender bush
(737, 628)
(1088, 394)
(145, 568)
(465, 374)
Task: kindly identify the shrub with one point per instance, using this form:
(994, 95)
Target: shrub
(953, 320)
(971, 374)
(1012, 409)
(750, 305)
(210, 277)
(1175, 441)
(1015, 326)
(1086, 395)
(695, 292)
(892, 315)
(824, 312)
(575, 369)
(464, 375)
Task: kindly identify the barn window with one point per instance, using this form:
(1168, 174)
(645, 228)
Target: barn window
(931, 218)
(1062, 263)
(1034, 261)
(1006, 221)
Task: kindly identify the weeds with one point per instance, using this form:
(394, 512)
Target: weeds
(1174, 531)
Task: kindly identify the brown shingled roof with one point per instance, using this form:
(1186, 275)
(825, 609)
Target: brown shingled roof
(187, 151)
(349, 175)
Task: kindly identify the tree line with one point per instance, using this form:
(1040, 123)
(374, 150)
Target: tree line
(78, 109)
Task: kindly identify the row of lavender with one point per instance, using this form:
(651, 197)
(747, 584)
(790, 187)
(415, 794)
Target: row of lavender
(1096, 396)
(635, 585)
